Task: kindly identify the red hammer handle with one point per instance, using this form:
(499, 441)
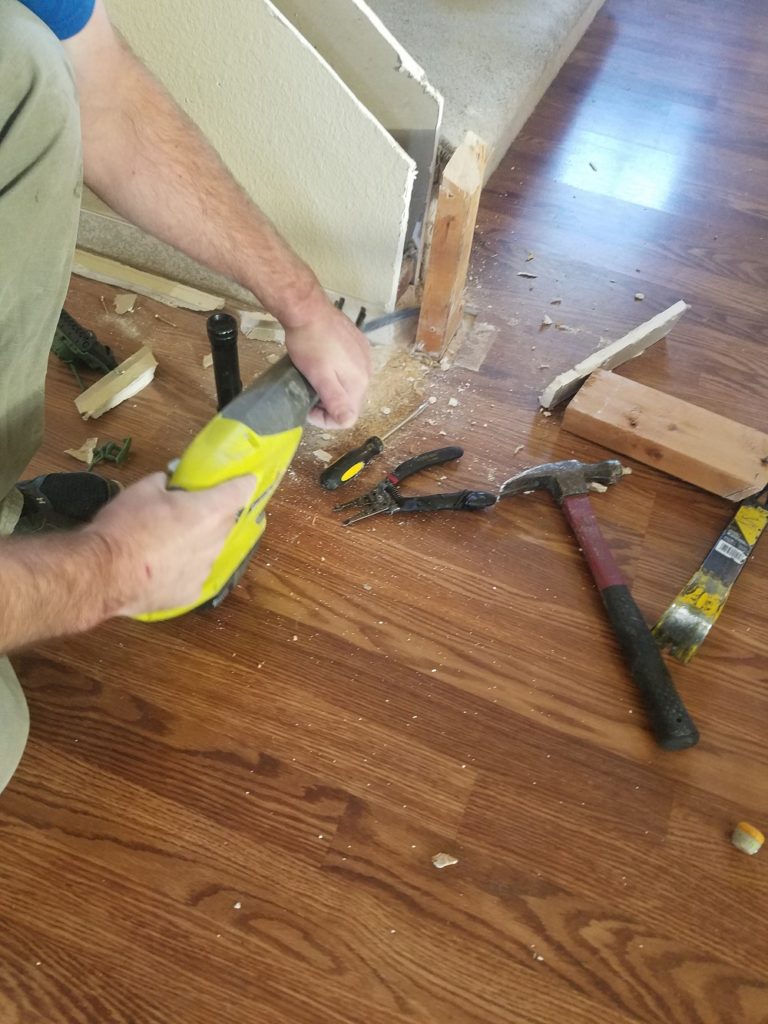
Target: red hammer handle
(671, 723)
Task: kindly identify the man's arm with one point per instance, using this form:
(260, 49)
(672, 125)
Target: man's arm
(151, 164)
(148, 549)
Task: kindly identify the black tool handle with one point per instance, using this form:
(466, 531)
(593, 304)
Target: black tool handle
(424, 461)
(222, 334)
(672, 725)
(453, 501)
(350, 464)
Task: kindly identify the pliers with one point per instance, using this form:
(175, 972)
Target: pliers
(386, 498)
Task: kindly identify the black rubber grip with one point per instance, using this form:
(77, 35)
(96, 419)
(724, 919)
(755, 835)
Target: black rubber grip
(349, 465)
(453, 501)
(672, 725)
(419, 462)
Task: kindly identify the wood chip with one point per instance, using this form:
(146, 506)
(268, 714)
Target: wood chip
(85, 452)
(547, 321)
(444, 860)
(322, 455)
(207, 361)
(124, 302)
(747, 838)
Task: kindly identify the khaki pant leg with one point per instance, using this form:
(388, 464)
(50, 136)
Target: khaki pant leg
(40, 187)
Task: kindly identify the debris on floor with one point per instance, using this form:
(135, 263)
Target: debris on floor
(747, 838)
(444, 860)
(322, 455)
(639, 296)
(524, 273)
(85, 452)
(124, 302)
(125, 381)
(207, 361)
(547, 321)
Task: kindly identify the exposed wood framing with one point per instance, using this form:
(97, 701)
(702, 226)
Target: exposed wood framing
(684, 440)
(613, 355)
(119, 384)
(455, 216)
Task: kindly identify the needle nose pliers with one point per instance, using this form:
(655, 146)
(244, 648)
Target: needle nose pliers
(386, 498)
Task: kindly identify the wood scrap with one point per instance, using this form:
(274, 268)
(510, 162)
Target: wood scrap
(684, 440)
(85, 452)
(617, 352)
(448, 263)
(100, 268)
(119, 384)
(124, 302)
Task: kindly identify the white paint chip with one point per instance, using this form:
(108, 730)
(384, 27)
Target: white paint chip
(444, 860)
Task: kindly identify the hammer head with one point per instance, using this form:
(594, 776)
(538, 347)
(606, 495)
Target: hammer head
(563, 479)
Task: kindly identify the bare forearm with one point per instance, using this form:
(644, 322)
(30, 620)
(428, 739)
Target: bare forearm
(151, 164)
(52, 585)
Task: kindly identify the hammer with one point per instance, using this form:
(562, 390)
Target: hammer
(569, 482)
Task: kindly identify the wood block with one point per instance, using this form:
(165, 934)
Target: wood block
(455, 217)
(684, 440)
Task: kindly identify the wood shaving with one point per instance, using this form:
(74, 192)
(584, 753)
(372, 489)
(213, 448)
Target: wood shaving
(596, 486)
(124, 302)
(444, 860)
(85, 452)
(547, 321)
(207, 361)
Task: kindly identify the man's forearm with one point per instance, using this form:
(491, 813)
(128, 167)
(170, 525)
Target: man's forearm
(151, 164)
(53, 585)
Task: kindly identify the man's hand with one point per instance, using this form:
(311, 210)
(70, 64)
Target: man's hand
(334, 357)
(147, 550)
(164, 543)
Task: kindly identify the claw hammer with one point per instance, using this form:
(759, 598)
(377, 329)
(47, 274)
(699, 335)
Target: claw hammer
(569, 483)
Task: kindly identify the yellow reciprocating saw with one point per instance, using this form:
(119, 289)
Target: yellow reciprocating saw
(257, 432)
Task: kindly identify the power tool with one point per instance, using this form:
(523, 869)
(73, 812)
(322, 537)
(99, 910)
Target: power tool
(257, 432)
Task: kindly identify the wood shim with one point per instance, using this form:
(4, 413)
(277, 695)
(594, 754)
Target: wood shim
(125, 381)
(681, 439)
(612, 355)
(100, 268)
(455, 216)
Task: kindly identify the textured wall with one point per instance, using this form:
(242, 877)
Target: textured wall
(330, 176)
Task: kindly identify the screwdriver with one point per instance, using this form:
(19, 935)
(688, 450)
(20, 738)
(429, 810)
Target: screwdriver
(353, 462)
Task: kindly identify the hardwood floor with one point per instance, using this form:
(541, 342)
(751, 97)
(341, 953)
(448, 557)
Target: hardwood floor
(233, 817)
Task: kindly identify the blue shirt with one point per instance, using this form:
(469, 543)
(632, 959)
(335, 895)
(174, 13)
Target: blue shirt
(65, 18)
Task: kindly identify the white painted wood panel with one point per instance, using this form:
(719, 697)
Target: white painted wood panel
(330, 176)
